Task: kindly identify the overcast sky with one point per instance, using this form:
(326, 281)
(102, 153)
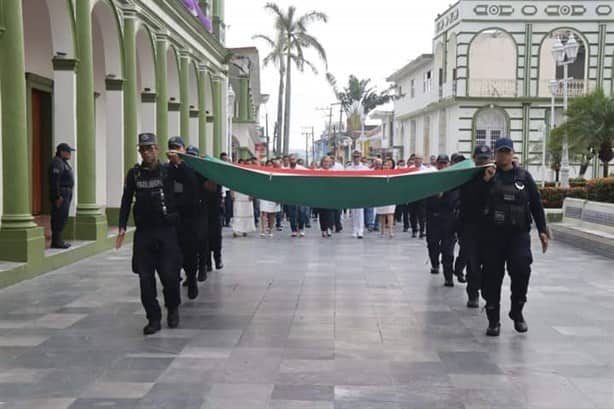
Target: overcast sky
(370, 39)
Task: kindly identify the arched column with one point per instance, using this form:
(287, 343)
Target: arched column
(218, 114)
(161, 90)
(184, 79)
(90, 223)
(202, 111)
(130, 90)
(146, 80)
(20, 238)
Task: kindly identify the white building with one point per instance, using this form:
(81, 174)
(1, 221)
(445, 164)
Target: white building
(489, 73)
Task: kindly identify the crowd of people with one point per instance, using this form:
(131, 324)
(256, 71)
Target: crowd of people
(179, 217)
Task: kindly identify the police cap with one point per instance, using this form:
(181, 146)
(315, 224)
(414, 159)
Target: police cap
(504, 143)
(443, 158)
(192, 150)
(64, 147)
(482, 152)
(458, 158)
(146, 139)
(175, 141)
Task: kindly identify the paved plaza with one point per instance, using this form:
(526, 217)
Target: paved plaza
(309, 324)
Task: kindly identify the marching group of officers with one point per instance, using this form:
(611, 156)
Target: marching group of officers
(491, 217)
(177, 214)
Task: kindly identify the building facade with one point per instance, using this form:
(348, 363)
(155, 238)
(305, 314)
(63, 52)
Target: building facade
(95, 74)
(489, 72)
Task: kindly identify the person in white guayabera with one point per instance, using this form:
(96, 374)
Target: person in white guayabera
(357, 215)
(269, 212)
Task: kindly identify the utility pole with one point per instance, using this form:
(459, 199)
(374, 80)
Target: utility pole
(313, 151)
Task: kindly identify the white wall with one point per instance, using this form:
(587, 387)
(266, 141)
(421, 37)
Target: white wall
(492, 56)
(101, 113)
(37, 37)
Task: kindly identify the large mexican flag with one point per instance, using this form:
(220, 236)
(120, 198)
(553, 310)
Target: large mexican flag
(333, 189)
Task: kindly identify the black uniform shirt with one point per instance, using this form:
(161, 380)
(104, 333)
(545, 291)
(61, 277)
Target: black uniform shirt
(471, 202)
(444, 205)
(60, 177)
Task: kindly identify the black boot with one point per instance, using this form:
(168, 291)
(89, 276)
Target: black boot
(515, 315)
(202, 272)
(494, 325)
(448, 276)
(152, 327)
(192, 287)
(218, 264)
(173, 318)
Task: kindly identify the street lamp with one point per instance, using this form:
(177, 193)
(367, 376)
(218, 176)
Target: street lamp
(554, 90)
(565, 54)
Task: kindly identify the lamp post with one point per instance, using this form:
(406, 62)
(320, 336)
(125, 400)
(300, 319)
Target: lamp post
(565, 54)
(554, 89)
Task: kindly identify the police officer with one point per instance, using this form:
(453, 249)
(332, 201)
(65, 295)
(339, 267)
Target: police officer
(61, 184)
(188, 207)
(460, 262)
(511, 198)
(471, 215)
(155, 246)
(215, 210)
(203, 220)
(440, 213)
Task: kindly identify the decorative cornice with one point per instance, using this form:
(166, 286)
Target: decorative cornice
(148, 97)
(114, 84)
(174, 106)
(65, 64)
(194, 113)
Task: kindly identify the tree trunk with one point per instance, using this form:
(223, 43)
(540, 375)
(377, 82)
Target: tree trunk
(606, 169)
(280, 109)
(287, 105)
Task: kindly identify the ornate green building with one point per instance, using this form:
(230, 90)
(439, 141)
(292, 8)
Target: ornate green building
(96, 73)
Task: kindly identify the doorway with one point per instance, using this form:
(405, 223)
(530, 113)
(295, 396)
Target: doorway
(41, 149)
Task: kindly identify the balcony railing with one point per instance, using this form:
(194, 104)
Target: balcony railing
(496, 88)
(575, 88)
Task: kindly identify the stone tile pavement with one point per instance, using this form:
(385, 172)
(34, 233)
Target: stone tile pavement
(309, 324)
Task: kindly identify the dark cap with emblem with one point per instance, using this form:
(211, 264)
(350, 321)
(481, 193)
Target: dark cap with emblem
(64, 147)
(147, 139)
(457, 157)
(443, 158)
(482, 152)
(504, 143)
(175, 141)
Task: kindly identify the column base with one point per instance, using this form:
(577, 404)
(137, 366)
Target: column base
(90, 227)
(22, 245)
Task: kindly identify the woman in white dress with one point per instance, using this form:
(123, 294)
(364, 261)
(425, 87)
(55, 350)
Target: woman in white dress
(386, 213)
(268, 212)
(243, 214)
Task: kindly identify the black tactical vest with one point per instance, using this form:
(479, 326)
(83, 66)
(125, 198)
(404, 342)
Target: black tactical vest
(509, 203)
(152, 203)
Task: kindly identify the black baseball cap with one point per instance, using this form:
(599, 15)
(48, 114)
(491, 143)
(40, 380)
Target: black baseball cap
(147, 139)
(64, 147)
(175, 141)
(482, 152)
(459, 157)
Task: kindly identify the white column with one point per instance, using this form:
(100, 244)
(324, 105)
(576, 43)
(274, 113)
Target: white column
(114, 143)
(147, 122)
(65, 111)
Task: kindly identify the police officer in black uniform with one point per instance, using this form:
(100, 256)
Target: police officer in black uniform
(155, 246)
(61, 184)
(188, 206)
(471, 218)
(440, 238)
(215, 211)
(511, 198)
(203, 220)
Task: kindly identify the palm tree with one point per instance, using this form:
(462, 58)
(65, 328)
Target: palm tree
(294, 39)
(589, 127)
(276, 57)
(357, 98)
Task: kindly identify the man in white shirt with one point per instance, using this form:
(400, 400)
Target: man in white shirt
(337, 165)
(358, 225)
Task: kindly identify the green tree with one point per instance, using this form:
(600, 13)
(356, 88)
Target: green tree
(357, 98)
(589, 128)
(276, 57)
(293, 40)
